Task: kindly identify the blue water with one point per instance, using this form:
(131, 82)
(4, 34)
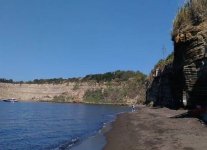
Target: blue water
(34, 125)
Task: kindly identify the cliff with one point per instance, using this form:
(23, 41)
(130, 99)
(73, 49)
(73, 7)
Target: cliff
(190, 48)
(160, 84)
(110, 88)
(184, 80)
(191, 64)
(43, 92)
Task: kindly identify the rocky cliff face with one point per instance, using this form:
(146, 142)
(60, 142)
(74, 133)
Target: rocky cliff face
(44, 92)
(83, 92)
(190, 47)
(160, 87)
(185, 82)
(191, 63)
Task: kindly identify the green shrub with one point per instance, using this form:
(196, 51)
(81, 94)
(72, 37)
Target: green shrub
(63, 98)
(94, 96)
(161, 63)
(114, 95)
(117, 76)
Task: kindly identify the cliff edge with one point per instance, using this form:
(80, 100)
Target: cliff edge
(183, 81)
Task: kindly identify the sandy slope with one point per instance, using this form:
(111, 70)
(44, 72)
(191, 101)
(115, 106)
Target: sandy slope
(156, 129)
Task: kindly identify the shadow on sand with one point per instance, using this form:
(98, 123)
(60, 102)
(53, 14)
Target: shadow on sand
(201, 116)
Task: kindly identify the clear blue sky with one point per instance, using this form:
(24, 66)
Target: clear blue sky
(72, 38)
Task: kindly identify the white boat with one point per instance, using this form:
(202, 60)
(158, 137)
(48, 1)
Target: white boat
(12, 100)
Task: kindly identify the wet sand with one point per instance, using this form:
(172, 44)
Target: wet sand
(95, 142)
(156, 129)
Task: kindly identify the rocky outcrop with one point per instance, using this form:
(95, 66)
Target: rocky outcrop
(160, 87)
(190, 47)
(190, 64)
(185, 82)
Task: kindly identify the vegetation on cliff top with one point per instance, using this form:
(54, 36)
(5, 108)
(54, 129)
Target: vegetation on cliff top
(2, 80)
(117, 76)
(163, 62)
(192, 13)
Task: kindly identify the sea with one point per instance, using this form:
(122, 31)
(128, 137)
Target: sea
(54, 126)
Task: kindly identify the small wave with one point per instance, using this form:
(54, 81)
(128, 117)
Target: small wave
(68, 145)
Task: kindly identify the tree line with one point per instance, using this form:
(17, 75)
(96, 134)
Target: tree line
(117, 76)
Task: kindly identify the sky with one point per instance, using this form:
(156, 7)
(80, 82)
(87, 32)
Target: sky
(73, 38)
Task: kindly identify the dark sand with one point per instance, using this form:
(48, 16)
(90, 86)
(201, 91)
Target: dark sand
(95, 142)
(156, 129)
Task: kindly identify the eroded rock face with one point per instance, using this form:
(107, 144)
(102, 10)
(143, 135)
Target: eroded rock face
(44, 92)
(189, 78)
(185, 80)
(159, 88)
(190, 65)
(102, 93)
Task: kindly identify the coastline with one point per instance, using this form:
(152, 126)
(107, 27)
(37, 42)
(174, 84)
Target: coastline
(98, 140)
(73, 102)
(82, 102)
(157, 129)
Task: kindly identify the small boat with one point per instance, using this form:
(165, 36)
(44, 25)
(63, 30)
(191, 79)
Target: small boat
(10, 100)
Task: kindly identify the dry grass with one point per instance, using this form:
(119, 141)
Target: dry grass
(192, 13)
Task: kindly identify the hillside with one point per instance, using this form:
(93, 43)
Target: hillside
(119, 87)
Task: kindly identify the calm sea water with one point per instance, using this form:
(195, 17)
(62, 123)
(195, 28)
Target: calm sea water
(33, 125)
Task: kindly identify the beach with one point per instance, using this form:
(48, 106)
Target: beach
(156, 129)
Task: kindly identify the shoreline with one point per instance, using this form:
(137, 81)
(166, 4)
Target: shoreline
(157, 129)
(73, 102)
(98, 140)
(90, 103)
